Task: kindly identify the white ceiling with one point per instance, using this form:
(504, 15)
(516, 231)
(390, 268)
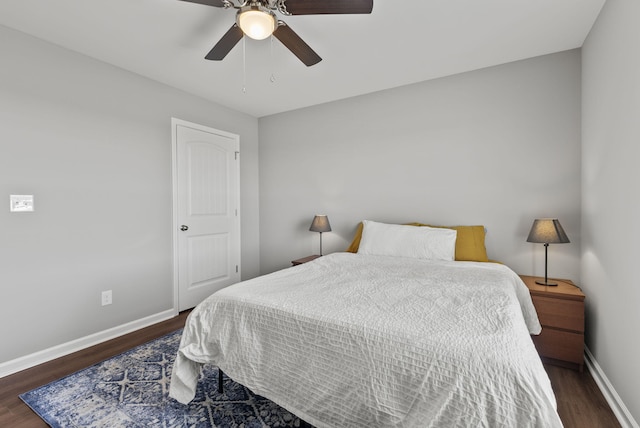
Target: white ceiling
(401, 42)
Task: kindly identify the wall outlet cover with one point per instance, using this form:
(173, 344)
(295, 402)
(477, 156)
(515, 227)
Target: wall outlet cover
(107, 298)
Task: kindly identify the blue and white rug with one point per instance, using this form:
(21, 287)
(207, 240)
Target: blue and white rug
(132, 390)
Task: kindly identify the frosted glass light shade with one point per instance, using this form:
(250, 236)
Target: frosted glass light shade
(256, 22)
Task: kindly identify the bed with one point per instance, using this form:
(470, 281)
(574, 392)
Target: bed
(376, 340)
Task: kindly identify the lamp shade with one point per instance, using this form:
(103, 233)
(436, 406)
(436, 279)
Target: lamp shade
(547, 231)
(320, 224)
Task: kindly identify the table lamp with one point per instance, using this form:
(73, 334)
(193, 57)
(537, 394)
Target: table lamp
(320, 224)
(547, 231)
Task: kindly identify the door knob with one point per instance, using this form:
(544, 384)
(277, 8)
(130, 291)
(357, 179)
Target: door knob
(184, 228)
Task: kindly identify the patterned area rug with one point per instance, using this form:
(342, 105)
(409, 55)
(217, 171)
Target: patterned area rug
(132, 390)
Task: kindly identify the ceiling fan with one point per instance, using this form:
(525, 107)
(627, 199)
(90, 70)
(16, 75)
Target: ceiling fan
(256, 19)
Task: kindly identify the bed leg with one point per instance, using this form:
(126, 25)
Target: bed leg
(220, 386)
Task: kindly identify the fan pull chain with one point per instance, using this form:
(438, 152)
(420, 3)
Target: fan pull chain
(244, 65)
(273, 75)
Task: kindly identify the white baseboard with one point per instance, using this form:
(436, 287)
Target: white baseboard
(31, 360)
(615, 402)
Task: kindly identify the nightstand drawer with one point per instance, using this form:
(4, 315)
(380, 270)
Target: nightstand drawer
(560, 345)
(560, 313)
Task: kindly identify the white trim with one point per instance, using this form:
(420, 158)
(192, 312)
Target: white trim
(615, 402)
(174, 203)
(31, 360)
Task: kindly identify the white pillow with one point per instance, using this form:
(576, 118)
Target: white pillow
(419, 242)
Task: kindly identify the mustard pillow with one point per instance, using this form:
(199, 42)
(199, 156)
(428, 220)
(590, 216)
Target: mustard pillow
(469, 242)
(355, 244)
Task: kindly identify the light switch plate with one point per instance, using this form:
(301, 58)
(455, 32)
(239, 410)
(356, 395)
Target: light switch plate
(21, 203)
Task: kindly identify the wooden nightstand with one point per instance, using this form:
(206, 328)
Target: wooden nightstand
(304, 260)
(561, 312)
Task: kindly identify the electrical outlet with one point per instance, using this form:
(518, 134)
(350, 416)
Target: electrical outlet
(107, 298)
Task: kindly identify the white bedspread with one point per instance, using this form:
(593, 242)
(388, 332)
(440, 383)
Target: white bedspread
(351, 340)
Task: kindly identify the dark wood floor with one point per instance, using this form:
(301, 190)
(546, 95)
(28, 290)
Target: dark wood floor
(580, 402)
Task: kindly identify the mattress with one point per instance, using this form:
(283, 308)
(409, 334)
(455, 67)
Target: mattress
(350, 340)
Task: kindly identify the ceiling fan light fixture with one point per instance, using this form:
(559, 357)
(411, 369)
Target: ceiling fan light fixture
(256, 21)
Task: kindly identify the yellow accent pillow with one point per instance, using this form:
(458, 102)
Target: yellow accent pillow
(355, 244)
(469, 242)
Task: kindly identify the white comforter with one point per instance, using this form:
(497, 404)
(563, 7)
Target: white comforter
(367, 341)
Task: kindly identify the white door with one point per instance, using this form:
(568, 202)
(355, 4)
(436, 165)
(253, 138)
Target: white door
(206, 211)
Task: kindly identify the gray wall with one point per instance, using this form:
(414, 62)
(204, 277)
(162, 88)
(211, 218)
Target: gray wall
(498, 147)
(611, 207)
(93, 144)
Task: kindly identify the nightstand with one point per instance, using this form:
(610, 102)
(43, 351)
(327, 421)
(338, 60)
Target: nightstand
(561, 312)
(304, 260)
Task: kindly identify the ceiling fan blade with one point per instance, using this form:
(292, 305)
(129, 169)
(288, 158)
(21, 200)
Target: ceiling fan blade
(216, 3)
(315, 7)
(296, 45)
(225, 44)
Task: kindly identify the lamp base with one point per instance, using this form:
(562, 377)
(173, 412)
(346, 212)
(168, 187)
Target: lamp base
(547, 283)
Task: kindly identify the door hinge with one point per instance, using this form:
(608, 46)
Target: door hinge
(237, 153)
(236, 268)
